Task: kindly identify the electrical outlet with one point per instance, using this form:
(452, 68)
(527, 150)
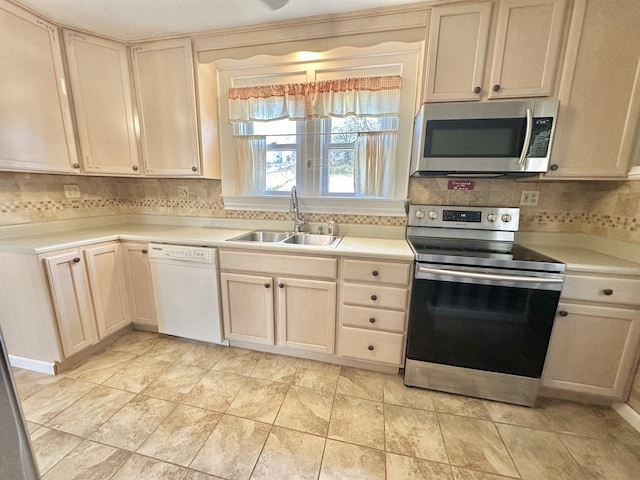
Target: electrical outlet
(72, 191)
(529, 198)
(183, 191)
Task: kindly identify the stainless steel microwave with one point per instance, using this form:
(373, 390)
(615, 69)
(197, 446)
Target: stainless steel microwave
(488, 139)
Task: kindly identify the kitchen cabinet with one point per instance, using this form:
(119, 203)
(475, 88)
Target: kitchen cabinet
(88, 291)
(71, 301)
(595, 340)
(36, 129)
(599, 94)
(165, 91)
(526, 48)
(101, 86)
(293, 295)
(105, 269)
(139, 285)
(374, 299)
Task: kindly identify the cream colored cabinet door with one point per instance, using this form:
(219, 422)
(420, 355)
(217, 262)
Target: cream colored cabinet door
(101, 86)
(599, 93)
(70, 294)
(165, 90)
(593, 350)
(139, 285)
(527, 47)
(247, 307)
(36, 130)
(105, 269)
(306, 314)
(458, 36)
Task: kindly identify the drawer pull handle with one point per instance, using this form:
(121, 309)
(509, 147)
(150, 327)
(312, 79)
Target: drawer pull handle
(375, 273)
(563, 313)
(607, 291)
(370, 347)
(374, 297)
(267, 285)
(144, 251)
(76, 259)
(281, 285)
(372, 320)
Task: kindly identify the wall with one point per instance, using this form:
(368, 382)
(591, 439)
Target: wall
(606, 209)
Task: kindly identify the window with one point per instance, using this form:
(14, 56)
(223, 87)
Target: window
(330, 157)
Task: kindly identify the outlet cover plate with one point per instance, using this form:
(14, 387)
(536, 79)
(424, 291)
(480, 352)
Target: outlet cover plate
(72, 191)
(529, 198)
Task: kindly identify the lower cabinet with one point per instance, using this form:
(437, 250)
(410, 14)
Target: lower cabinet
(595, 342)
(89, 294)
(139, 287)
(269, 306)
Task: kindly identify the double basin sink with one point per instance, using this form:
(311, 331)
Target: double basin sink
(288, 238)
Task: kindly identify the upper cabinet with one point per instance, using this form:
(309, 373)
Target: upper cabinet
(165, 90)
(101, 86)
(528, 37)
(599, 93)
(36, 130)
(456, 51)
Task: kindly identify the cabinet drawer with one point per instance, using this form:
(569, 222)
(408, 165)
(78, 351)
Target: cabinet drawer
(378, 272)
(373, 318)
(274, 264)
(374, 296)
(596, 288)
(382, 347)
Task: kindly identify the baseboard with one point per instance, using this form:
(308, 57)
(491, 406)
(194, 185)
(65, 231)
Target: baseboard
(31, 364)
(628, 413)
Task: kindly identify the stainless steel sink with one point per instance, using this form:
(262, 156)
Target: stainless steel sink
(261, 237)
(288, 238)
(317, 240)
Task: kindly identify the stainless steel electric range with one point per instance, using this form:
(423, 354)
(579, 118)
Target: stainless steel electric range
(482, 306)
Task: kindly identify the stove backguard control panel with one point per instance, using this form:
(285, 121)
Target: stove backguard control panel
(474, 218)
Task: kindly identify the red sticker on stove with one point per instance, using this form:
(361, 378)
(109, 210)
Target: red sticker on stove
(461, 184)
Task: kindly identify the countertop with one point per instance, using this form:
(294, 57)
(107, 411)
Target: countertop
(200, 235)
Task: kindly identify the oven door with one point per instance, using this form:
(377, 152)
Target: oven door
(481, 318)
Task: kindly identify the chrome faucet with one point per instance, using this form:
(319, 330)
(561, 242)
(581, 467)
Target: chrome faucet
(298, 220)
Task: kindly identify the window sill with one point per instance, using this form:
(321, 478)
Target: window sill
(391, 207)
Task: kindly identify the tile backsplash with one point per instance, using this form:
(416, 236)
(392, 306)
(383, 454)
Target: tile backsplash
(606, 209)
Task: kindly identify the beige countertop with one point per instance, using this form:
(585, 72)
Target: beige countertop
(47, 240)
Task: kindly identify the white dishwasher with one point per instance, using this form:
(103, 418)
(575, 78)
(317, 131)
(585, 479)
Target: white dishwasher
(185, 284)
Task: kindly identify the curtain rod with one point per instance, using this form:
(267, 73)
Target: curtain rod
(314, 134)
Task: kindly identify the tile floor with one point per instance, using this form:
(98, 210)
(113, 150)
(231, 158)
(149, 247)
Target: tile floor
(154, 407)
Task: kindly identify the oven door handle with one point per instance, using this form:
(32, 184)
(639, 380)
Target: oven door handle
(488, 276)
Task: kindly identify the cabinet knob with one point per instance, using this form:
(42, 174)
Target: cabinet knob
(76, 165)
(76, 259)
(563, 313)
(194, 169)
(477, 90)
(496, 88)
(370, 347)
(267, 285)
(374, 297)
(135, 168)
(372, 320)
(554, 167)
(375, 273)
(144, 251)
(607, 291)
(281, 285)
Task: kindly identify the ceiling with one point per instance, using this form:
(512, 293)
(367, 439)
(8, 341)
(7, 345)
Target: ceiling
(130, 20)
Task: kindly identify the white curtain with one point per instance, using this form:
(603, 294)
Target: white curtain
(251, 163)
(365, 96)
(375, 164)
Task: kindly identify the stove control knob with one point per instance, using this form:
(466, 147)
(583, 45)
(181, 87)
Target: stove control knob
(491, 217)
(433, 214)
(506, 218)
(419, 214)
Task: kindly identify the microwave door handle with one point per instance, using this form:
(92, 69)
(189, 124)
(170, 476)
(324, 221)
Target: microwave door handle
(527, 137)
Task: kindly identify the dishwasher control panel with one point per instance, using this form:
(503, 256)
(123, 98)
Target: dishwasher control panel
(182, 252)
